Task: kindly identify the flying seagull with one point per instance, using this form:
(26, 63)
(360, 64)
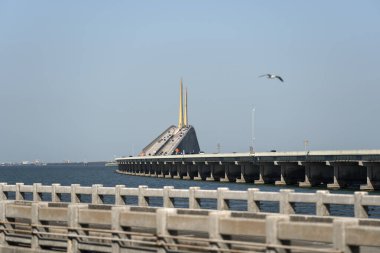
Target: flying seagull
(271, 76)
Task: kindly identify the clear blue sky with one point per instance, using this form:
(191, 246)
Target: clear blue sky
(87, 80)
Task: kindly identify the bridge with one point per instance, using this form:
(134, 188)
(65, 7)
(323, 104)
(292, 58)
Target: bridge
(175, 154)
(175, 139)
(334, 169)
(75, 218)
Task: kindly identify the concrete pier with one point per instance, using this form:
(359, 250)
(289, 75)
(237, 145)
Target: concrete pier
(372, 176)
(347, 173)
(333, 169)
(291, 173)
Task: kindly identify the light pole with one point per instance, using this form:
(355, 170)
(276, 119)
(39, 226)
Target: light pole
(253, 129)
(306, 144)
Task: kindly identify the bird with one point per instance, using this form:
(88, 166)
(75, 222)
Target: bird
(272, 76)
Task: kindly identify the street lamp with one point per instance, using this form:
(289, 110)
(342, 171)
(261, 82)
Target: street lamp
(253, 129)
(306, 144)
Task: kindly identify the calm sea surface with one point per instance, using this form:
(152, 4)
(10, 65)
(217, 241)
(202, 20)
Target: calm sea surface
(99, 174)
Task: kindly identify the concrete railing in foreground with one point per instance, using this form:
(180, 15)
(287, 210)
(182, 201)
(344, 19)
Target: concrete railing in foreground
(49, 227)
(193, 198)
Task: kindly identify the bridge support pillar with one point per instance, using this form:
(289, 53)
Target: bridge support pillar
(153, 170)
(291, 173)
(335, 185)
(352, 173)
(198, 176)
(167, 168)
(261, 175)
(281, 182)
(205, 171)
(268, 173)
(138, 168)
(225, 177)
(134, 166)
(307, 182)
(176, 172)
(243, 168)
(231, 172)
(140, 172)
(159, 169)
(225, 172)
(184, 171)
(241, 179)
(213, 169)
(249, 171)
(369, 185)
(372, 178)
(148, 169)
(316, 173)
(145, 171)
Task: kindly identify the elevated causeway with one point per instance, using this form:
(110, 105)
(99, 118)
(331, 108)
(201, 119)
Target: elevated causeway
(53, 218)
(334, 169)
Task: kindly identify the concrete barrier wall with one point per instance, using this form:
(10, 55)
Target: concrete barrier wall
(194, 196)
(38, 226)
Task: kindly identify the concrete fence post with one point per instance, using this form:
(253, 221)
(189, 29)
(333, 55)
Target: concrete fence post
(162, 228)
(167, 200)
(194, 203)
(322, 209)
(252, 204)
(142, 200)
(119, 199)
(3, 195)
(55, 196)
(34, 224)
(360, 210)
(73, 225)
(285, 206)
(37, 196)
(222, 204)
(75, 198)
(271, 231)
(116, 228)
(3, 220)
(96, 198)
(339, 234)
(213, 226)
(19, 195)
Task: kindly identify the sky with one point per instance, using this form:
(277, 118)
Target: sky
(91, 80)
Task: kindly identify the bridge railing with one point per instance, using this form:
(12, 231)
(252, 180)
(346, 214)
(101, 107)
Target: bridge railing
(286, 201)
(75, 227)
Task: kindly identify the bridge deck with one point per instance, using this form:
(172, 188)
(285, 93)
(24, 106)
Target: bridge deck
(334, 169)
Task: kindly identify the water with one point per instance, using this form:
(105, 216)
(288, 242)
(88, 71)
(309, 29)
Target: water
(99, 174)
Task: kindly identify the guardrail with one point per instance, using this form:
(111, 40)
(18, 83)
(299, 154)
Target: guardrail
(36, 226)
(285, 201)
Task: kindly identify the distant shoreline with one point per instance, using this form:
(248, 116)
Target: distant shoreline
(102, 163)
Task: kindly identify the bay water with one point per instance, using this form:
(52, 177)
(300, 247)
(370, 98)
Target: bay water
(87, 175)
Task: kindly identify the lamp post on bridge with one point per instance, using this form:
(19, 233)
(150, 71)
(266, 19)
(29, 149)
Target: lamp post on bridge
(253, 129)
